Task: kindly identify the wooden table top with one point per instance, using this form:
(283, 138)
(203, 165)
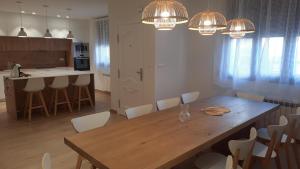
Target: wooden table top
(160, 140)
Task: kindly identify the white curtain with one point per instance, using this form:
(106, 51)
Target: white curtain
(100, 64)
(102, 46)
(268, 61)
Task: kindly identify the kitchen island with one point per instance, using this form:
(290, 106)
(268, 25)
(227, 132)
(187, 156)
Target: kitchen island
(15, 96)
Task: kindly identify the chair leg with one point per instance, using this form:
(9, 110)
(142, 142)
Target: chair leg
(79, 162)
(79, 98)
(30, 106)
(26, 105)
(68, 100)
(44, 103)
(277, 160)
(265, 163)
(286, 147)
(55, 101)
(51, 104)
(89, 95)
(296, 153)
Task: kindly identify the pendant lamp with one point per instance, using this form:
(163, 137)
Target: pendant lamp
(208, 22)
(165, 14)
(21, 32)
(238, 28)
(48, 33)
(70, 34)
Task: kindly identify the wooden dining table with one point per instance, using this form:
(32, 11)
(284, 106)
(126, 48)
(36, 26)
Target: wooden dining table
(159, 140)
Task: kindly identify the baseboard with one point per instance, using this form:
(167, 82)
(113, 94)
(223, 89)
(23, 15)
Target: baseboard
(113, 111)
(103, 92)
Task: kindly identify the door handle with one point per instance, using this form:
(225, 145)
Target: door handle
(141, 74)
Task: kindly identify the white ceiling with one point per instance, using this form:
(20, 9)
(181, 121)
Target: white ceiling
(81, 9)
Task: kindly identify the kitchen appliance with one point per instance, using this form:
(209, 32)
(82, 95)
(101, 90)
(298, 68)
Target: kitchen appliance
(82, 63)
(81, 56)
(15, 71)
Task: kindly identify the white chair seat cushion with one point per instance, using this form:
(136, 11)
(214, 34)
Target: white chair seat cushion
(264, 134)
(260, 150)
(211, 161)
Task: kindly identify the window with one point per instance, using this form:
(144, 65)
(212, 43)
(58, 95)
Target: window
(240, 53)
(268, 59)
(297, 59)
(271, 57)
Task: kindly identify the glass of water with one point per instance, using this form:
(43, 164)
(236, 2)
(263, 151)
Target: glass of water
(184, 114)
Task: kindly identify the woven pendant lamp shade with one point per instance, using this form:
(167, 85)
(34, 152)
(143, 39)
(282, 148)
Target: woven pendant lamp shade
(238, 28)
(165, 14)
(208, 22)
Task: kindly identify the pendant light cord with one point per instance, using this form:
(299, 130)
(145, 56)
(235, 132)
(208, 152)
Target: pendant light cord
(46, 16)
(20, 10)
(208, 4)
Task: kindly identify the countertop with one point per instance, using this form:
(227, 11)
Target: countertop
(50, 72)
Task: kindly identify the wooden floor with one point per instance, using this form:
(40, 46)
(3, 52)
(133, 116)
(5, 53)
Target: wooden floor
(23, 143)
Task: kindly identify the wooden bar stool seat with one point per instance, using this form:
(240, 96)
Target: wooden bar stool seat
(60, 84)
(82, 83)
(34, 86)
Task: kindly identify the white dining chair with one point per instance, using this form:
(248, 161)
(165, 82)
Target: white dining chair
(138, 111)
(266, 153)
(189, 97)
(294, 135)
(229, 163)
(240, 149)
(168, 103)
(250, 96)
(46, 161)
(89, 122)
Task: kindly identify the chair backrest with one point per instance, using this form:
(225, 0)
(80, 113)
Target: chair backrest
(83, 80)
(250, 96)
(276, 132)
(60, 82)
(294, 126)
(168, 103)
(89, 122)
(189, 97)
(34, 84)
(46, 161)
(229, 163)
(139, 111)
(243, 147)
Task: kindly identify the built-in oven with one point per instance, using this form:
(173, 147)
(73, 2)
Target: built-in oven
(82, 63)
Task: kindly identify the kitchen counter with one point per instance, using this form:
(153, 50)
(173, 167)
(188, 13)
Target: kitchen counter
(52, 72)
(15, 96)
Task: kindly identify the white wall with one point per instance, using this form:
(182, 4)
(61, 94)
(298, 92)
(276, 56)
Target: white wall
(171, 62)
(184, 60)
(35, 26)
(125, 12)
(201, 53)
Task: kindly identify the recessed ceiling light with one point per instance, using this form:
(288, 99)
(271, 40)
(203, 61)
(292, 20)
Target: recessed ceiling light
(67, 17)
(22, 11)
(33, 13)
(58, 15)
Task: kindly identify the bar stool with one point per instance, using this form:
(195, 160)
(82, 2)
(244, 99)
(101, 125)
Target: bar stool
(34, 86)
(82, 82)
(60, 84)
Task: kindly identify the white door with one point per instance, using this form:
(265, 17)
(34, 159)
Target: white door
(131, 67)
